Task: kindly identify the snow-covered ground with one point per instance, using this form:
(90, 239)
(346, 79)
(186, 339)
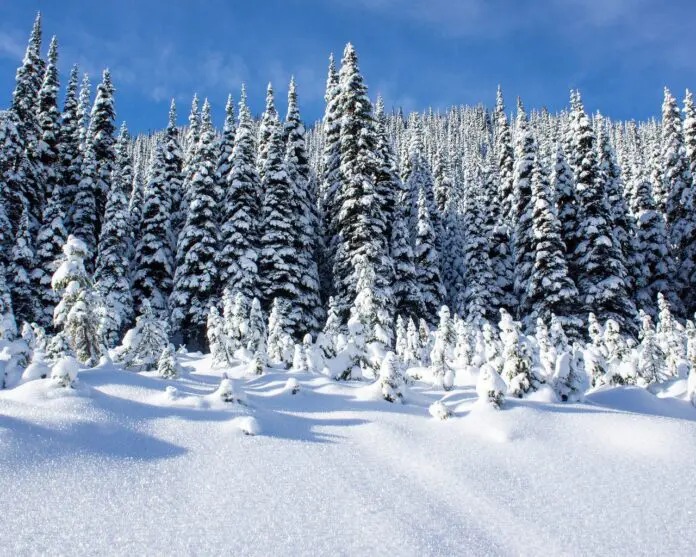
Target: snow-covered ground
(119, 466)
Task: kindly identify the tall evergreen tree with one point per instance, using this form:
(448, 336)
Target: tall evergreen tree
(360, 225)
(49, 123)
(69, 146)
(239, 231)
(307, 219)
(173, 172)
(523, 247)
(551, 292)
(427, 260)
(153, 269)
(196, 276)
(84, 208)
(676, 174)
(225, 147)
(22, 257)
(597, 257)
(102, 128)
(279, 265)
(506, 160)
(112, 267)
(266, 130)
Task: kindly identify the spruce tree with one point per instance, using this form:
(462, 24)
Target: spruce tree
(506, 161)
(22, 263)
(48, 118)
(407, 297)
(677, 179)
(102, 128)
(49, 245)
(153, 269)
(360, 224)
(84, 209)
(330, 179)
(307, 217)
(427, 261)
(173, 174)
(550, 292)
(180, 204)
(267, 126)
(652, 246)
(597, 257)
(69, 147)
(239, 231)
(196, 276)
(523, 248)
(279, 265)
(111, 275)
(225, 148)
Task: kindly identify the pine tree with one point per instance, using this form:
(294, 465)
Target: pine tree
(267, 127)
(307, 217)
(506, 157)
(652, 246)
(69, 147)
(167, 366)
(112, 267)
(101, 136)
(215, 333)
(523, 247)
(375, 321)
(27, 182)
(84, 210)
(225, 148)
(48, 118)
(445, 339)
(597, 256)
(651, 360)
(8, 325)
(407, 296)
(550, 290)
(49, 241)
(256, 336)
(143, 344)
(427, 261)
(22, 263)
(82, 327)
(236, 316)
(676, 174)
(330, 179)
(279, 340)
(567, 209)
(239, 231)
(517, 362)
(152, 276)
(360, 225)
(173, 172)
(279, 264)
(186, 160)
(391, 379)
(195, 280)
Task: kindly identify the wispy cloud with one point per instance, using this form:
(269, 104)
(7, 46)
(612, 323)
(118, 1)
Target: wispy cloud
(11, 45)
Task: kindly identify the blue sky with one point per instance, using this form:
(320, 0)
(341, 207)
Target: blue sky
(416, 53)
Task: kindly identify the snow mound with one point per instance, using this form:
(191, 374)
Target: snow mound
(440, 411)
(248, 425)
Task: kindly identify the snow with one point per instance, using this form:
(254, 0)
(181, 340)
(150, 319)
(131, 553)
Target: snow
(117, 465)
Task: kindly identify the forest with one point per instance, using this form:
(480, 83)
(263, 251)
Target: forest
(553, 251)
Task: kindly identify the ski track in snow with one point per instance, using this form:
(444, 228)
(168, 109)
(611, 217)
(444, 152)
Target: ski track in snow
(116, 468)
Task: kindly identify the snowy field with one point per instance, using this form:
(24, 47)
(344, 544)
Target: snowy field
(118, 466)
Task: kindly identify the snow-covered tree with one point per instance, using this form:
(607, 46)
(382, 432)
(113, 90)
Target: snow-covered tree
(167, 365)
(22, 263)
(427, 261)
(153, 268)
(445, 339)
(111, 275)
(102, 140)
(517, 362)
(144, 344)
(490, 387)
(217, 341)
(239, 231)
(196, 276)
(391, 380)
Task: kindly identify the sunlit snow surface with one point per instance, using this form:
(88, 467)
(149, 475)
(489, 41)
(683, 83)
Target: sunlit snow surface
(121, 466)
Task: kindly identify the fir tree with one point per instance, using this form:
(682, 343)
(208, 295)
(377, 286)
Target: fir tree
(391, 380)
(152, 276)
(143, 344)
(267, 126)
(307, 217)
(195, 280)
(427, 261)
(167, 366)
(407, 296)
(48, 118)
(550, 290)
(84, 209)
(173, 173)
(279, 264)
(359, 224)
(597, 256)
(239, 231)
(22, 263)
(676, 174)
(49, 241)
(225, 148)
(215, 333)
(525, 155)
(506, 157)
(112, 268)
(185, 162)
(69, 147)
(101, 136)
(8, 324)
